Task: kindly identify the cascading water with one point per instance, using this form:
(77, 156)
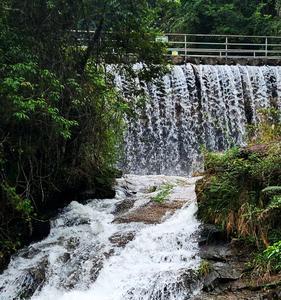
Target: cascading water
(131, 247)
(195, 106)
(87, 256)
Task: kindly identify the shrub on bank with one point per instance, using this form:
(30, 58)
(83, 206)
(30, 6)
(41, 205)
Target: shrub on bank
(241, 192)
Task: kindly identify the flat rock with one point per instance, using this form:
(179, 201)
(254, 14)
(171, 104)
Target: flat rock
(152, 213)
(226, 271)
(217, 253)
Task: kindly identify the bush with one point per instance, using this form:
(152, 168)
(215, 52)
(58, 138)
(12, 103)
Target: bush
(241, 192)
(268, 262)
(272, 255)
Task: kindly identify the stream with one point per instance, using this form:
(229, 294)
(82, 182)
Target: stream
(129, 247)
(143, 244)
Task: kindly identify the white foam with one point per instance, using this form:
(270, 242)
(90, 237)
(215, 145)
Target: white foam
(79, 240)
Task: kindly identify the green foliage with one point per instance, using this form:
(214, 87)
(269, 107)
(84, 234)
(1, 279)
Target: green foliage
(205, 268)
(61, 119)
(163, 194)
(223, 17)
(275, 202)
(264, 167)
(19, 211)
(21, 205)
(28, 92)
(272, 190)
(273, 256)
(241, 192)
(214, 160)
(267, 262)
(271, 211)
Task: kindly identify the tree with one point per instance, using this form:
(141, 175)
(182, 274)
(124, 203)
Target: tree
(247, 17)
(60, 115)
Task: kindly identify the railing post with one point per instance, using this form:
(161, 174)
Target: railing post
(185, 48)
(226, 46)
(266, 47)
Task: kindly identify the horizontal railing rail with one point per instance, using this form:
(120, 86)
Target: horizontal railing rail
(222, 46)
(212, 45)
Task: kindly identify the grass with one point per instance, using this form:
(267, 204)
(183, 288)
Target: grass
(163, 194)
(205, 268)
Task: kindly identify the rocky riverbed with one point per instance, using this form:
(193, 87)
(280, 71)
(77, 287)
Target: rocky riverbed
(140, 245)
(146, 243)
(227, 274)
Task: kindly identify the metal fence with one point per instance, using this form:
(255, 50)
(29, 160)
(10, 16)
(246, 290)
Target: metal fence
(211, 45)
(222, 46)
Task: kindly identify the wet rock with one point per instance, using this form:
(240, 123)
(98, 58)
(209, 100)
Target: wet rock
(211, 234)
(33, 280)
(29, 252)
(272, 295)
(122, 239)
(65, 257)
(217, 253)
(151, 189)
(75, 273)
(40, 230)
(100, 192)
(152, 213)
(96, 269)
(185, 283)
(222, 258)
(245, 294)
(221, 273)
(123, 206)
(226, 271)
(72, 243)
(108, 253)
(190, 280)
(225, 281)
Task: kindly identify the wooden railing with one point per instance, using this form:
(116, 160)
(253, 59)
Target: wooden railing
(222, 46)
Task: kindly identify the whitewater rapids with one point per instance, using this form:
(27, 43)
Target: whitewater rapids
(81, 259)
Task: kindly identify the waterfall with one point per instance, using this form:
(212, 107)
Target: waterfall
(132, 247)
(194, 106)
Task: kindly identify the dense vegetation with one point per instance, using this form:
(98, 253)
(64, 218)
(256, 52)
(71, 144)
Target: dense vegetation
(241, 192)
(248, 17)
(60, 116)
